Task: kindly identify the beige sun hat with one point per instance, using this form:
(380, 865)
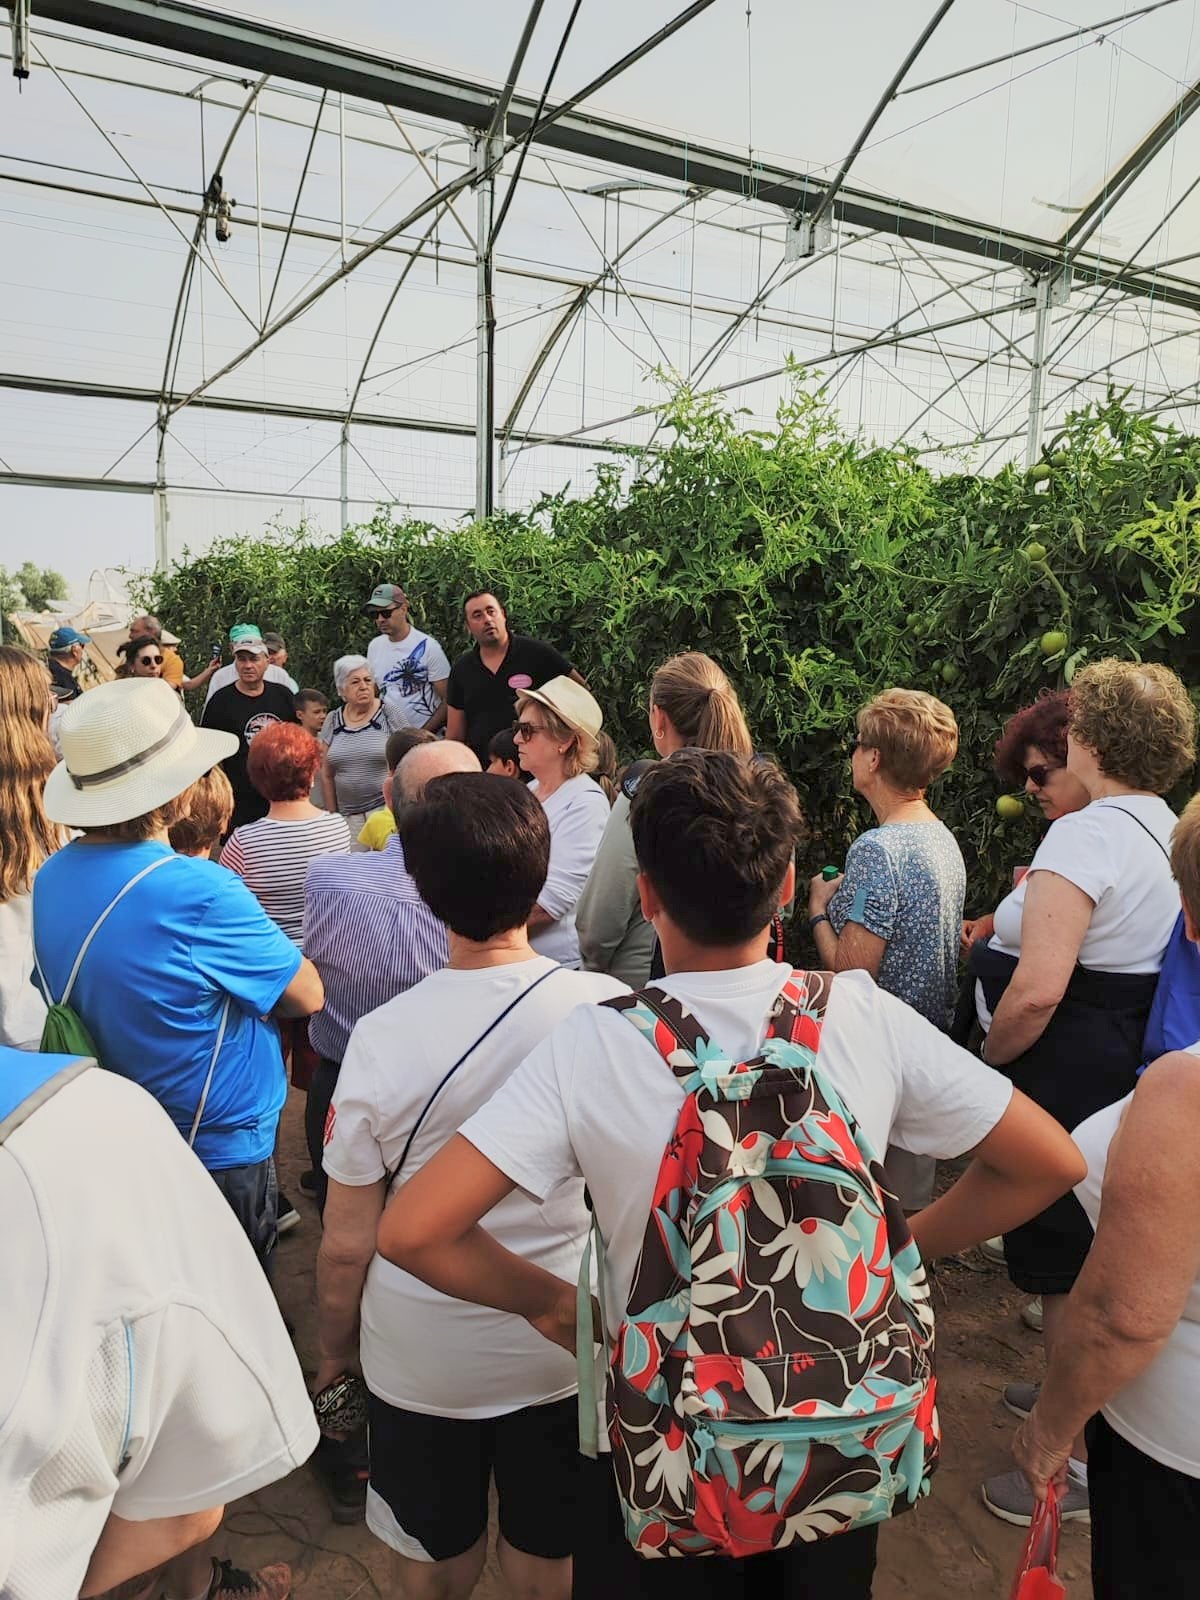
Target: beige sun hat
(128, 747)
(569, 700)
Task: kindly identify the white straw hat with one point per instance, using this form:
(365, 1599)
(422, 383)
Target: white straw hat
(128, 747)
(569, 700)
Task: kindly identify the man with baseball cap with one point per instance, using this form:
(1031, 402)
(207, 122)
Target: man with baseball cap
(410, 667)
(224, 676)
(66, 652)
(244, 708)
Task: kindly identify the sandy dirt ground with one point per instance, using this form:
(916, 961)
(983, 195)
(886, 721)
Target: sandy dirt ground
(949, 1548)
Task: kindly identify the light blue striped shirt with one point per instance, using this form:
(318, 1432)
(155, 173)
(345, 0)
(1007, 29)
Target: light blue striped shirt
(370, 936)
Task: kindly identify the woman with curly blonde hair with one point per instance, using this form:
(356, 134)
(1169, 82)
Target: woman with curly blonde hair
(27, 838)
(1066, 982)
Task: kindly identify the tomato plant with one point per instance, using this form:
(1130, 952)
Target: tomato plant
(815, 567)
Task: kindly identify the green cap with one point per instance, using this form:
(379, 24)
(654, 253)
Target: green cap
(245, 636)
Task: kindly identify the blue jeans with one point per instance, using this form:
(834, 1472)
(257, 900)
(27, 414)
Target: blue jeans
(253, 1195)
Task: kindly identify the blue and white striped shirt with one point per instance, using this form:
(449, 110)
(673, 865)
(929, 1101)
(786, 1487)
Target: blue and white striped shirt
(370, 936)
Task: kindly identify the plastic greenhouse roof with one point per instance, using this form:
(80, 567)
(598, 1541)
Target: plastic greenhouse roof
(327, 353)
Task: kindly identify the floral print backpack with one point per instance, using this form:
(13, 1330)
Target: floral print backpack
(772, 1377)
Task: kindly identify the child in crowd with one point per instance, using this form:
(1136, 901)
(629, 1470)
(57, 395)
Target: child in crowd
(502, 756)
(312, 708)
(381, 825)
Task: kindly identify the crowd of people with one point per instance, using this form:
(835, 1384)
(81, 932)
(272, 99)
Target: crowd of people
(576, 1126)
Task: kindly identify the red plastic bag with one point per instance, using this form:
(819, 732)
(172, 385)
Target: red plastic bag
(1036, 1576)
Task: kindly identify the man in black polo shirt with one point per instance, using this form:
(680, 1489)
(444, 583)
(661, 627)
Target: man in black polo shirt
(481, 696)
(244, 708)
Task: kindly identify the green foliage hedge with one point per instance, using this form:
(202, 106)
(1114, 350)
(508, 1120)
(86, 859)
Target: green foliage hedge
(815, 568)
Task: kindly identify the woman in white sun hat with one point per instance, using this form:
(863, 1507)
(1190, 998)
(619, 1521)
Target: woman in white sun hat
(555, 734)
(170, 963)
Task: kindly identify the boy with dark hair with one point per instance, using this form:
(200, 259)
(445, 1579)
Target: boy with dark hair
(380, 826)
(456, 1391)
(714, 836)
(502, 761)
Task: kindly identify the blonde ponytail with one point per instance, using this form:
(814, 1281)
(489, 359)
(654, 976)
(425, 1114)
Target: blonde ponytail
(699, 701)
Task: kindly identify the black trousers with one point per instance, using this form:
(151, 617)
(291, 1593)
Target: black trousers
(1144, 1520)
(316, 1109)
(606, 1568)
(253, 1196)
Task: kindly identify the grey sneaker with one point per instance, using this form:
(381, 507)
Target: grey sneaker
(993, 1250)
(1009, 1497)
(1031, 1314)
(1020, 1398)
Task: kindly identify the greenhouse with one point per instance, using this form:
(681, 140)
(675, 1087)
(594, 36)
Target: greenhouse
(265, 262)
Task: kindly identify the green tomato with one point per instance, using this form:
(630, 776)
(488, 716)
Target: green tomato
(1053, 642)
(950, 672)
(1035, 552)
(1038, 474)
(1059, 459)
(1009, 807)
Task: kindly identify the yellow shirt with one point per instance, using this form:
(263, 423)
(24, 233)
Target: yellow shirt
(377, 830)
(172, 666)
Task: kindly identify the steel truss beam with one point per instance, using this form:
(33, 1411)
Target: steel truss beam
(259, 48)
(335, 414)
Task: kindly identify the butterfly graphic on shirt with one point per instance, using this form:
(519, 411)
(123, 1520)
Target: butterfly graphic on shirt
(410, 676)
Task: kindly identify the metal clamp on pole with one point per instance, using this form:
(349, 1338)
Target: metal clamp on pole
(20, 38)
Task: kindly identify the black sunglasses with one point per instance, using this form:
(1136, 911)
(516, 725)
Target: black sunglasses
(387, 613)
(526, 730)
(149, 661)
(1038, 774)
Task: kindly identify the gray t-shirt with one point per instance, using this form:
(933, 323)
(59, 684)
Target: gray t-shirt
(357, 756)
(905, 882)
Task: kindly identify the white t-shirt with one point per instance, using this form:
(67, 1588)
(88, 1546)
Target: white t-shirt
(422, 1350)
(1159, 1411)
(1119, 866)
(578, 813)
(224, 676)
(595, 1100)
(138, 1327)
(22, 1009)
(406, 671)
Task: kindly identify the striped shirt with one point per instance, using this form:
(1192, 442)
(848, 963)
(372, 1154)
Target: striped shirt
(358, 758)
(273, 856)
(370, 936)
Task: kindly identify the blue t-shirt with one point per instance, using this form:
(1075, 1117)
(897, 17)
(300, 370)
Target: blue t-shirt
(905, 882)
(154, 982)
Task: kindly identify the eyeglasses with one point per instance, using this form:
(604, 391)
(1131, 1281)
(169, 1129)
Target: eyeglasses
(526, 730)
(1038, 774)
(382, 616)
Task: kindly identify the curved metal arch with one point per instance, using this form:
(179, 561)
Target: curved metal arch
(569, 313)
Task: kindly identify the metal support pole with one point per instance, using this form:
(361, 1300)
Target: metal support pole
(162, 549)
(1041, 324)
(487, 149)
(344, 456)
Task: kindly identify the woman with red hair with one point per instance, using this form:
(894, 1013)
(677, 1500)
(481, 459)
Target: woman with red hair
(273, 854)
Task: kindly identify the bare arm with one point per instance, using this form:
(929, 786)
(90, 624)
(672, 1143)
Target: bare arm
(856, 948)
(347, 1247)
(1139, 1272)
(431, 1229)
(456, 724)
(438, 719)
(128, 1554)
(201, 677)
(328, 787)
(304, 995)
(1053, 925)
(1024, 1165)
(579, 677)
(539, 918)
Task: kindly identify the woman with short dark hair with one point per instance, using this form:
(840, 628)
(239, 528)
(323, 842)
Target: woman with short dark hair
(456, 1391)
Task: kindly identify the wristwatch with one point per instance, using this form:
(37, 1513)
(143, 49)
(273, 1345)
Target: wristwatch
(821, 916)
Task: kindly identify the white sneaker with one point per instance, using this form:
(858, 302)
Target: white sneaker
(1031, 1314)
(993, 1250)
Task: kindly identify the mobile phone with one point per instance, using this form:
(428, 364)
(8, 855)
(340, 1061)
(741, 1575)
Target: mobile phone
(216, 652)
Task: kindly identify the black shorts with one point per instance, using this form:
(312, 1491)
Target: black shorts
(1046, 1254)
(606, 1567)
(428, 1491)
(1144, 1519)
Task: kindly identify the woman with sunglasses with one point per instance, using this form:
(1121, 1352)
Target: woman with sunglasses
(1065, 983)
(141, 658)
(556, 735)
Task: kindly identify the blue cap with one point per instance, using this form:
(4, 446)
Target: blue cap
(64, 638)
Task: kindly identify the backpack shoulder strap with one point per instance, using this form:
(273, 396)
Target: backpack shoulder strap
(1144, 828)
(804, 995)
(666, 1024)
(212, 1067)
(64, 998)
